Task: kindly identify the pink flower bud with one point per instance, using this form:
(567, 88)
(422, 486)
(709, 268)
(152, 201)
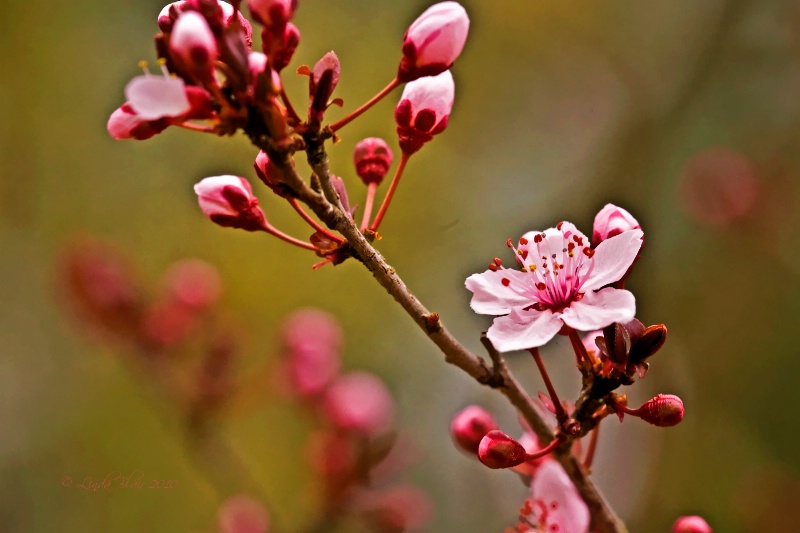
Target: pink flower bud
(359, 402)
(229, 202)
(282, 46)
(272, 13)
(498, 450)
(243, 514)
(423, 110)
(313, 341)
(664, 410)
(691, 524)
(193, 45)
(434, 41)
(611, 221)
(372, 158)
(469, 426)
(125, 123)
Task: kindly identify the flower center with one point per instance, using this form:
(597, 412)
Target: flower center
(557, 263)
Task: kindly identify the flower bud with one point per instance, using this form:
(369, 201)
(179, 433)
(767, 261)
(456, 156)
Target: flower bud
(469, 426)
(272, 13)
(125, 123)
(498, 450)
(321, 83)
(194, 46)
(665, 410)
(372, 158)
(281, 48)
(243, 514)
(359, 402)
(611, 221)
(650, 341)
(423, 110)
(229, 202)
(691, 524)
(434, 41)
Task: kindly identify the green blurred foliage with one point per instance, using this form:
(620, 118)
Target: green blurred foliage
(560, 108)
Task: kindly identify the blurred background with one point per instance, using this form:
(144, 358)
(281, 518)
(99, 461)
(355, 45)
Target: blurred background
(685, 113)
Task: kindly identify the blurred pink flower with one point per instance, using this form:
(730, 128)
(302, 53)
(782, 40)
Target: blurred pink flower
(313, 341)
(273, 14)
(691, 524)
(359, 402)
(243, 514)
(434, 41)
(470, 425)
(193, 44)
(555, 287)
(718, 185)
(424, 110)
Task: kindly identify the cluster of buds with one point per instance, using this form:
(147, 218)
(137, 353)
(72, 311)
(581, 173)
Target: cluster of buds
(214, 82)
(99, 285)
(353, 450)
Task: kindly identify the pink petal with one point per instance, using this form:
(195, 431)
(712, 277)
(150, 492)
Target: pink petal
(565, 508)
(599, 309)
(491, 297)
(154, 97)
(523, 330)
(439, 34)
(432, 92)
(612, 258)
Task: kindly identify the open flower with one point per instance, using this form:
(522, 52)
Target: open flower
(556, 504)
(560, 282)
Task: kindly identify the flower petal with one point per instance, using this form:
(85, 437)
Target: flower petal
(523, 329)
(599, 309)
(565, 508)
(612, 258)
(154, 97)
(491, 297)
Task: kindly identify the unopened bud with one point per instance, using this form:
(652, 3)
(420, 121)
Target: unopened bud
(665, 410)
(498, 450)
(194, 46)
(434, 41)
(651, 340)
(423, 110)
(372, 157)
(281, 46)
(272, 13)
(229, 202)
(691, 524)
(321, 83)
(469, 426)
(616, 342)
(611, 221)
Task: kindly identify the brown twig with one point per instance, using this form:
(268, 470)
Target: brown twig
(328, 208)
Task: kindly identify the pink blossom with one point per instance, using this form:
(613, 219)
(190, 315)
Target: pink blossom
(359, 402)
(610, 221)
(243, 514)
(561, 282)
(434, 41)
(557, 505)
(193, 283)
(372, 158)
(281, 46)
(691, 524)
(272, 13)
(193, 45)
(229, 202)
(313, 341)
(469, 426)
(423, 110)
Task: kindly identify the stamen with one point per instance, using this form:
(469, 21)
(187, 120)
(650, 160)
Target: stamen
(588, 252)
(523, 241)
(144, 67)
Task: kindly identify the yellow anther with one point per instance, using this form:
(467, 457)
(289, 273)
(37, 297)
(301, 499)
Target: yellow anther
(162, 61)
(143, 64)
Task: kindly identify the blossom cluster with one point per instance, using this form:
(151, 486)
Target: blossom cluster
(214, 82)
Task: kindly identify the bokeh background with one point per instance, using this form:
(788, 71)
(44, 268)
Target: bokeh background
(684, 112)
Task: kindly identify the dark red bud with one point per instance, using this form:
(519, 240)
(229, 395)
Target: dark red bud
(616, 343)
(372, 158)
(665, 410)
(649, 343)
(498, 450)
